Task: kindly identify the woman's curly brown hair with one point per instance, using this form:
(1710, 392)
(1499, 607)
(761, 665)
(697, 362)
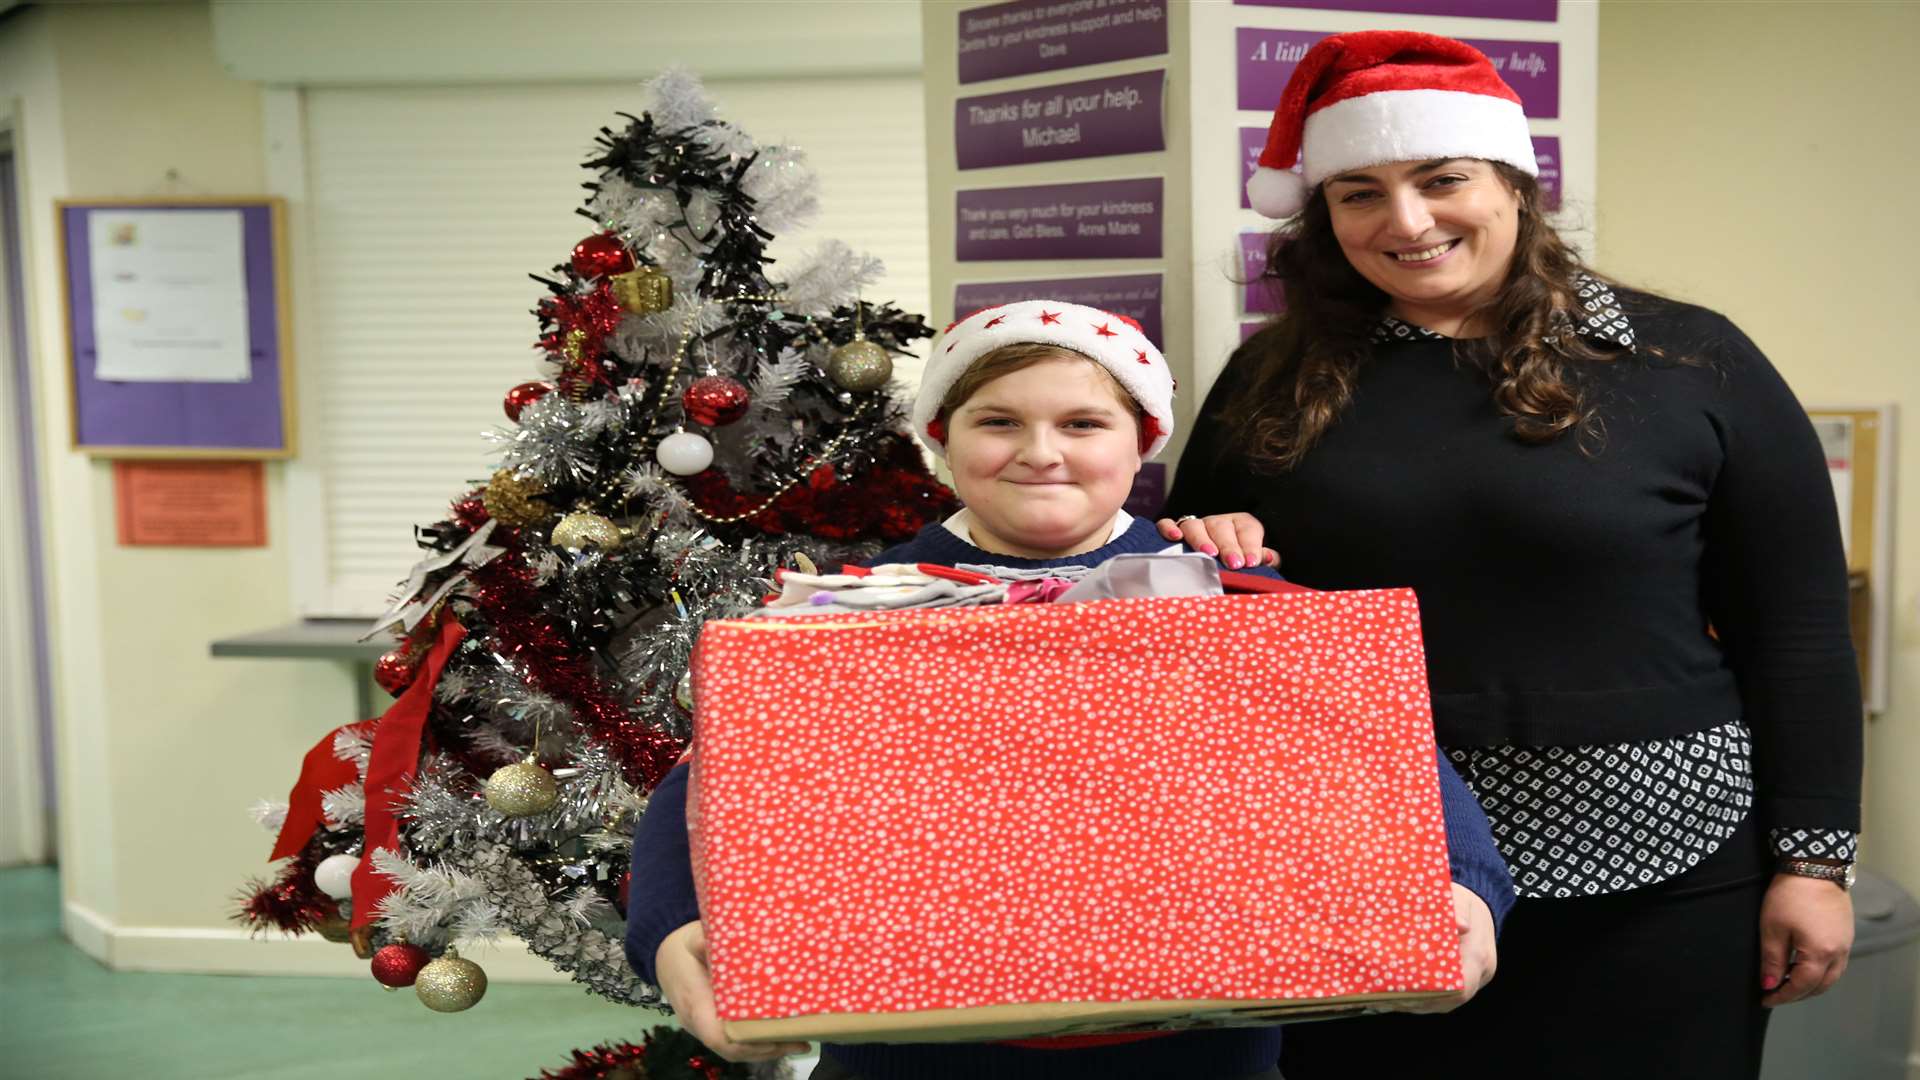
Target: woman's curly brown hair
(1307, 362)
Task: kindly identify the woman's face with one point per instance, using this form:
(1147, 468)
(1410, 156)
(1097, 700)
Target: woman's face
(1436, 236)
(1044, 457)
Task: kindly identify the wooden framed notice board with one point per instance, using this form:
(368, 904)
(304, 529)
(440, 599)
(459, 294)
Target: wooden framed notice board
(1859, 445)
(177, 327)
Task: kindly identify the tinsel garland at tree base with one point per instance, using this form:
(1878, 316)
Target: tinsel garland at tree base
(291, 903)
(667, 1054)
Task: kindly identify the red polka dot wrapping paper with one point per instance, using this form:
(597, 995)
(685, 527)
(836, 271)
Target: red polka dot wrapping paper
(1222, 799)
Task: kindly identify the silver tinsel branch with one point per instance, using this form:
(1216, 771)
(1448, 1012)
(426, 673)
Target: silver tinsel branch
(566, 937)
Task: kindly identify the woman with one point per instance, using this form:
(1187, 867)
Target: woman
(1620, 527)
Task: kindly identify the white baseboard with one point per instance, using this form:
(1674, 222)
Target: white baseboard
(193, 950)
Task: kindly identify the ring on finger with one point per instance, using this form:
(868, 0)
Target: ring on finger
(1184, 518)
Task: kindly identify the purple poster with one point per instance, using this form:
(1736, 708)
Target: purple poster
(1531, 10)
(1259, 294)
(1546, 151)
(1252, 141)
(1096, 118)
(1532, 68)
(1149, 492)
(1104, 219)
(1137, 296)
(1267, 58)
(1049, 35)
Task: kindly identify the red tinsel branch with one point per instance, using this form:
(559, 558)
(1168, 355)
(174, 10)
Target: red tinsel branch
(668, 1054)
(290, 903)
(504, 591)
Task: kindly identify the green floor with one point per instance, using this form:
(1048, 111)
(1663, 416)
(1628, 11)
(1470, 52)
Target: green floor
(65, 1017)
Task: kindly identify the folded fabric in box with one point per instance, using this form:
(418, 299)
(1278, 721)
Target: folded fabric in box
(1035, 820)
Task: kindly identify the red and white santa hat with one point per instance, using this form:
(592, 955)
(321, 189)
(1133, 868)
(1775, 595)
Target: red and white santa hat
(1380, 96)
(1115, 342)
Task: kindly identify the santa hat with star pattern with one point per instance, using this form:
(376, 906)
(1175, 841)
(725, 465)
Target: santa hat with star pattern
(1115, 342)
(1379, 96)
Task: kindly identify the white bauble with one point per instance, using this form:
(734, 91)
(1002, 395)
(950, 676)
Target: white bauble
(683, 453)
(334, 875)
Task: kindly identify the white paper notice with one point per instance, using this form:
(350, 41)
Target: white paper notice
(169, 296)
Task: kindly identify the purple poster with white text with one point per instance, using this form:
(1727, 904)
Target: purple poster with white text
(1267, 58)
(1095, 118)
(1149, 491)
(1137, 296)
(1530, 10)
(1532, 68)
(1252, 141)
(1546, 152)
(1103, 219)
(1259, 294)
(1027, 36)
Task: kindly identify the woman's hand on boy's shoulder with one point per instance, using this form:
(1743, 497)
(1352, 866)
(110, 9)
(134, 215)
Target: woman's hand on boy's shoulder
(1234, 539)
(681, 964)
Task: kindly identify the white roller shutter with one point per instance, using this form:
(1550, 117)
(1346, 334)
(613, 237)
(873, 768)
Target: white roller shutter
(429, 207)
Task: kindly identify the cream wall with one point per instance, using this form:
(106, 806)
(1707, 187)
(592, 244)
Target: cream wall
(1759, 158)
(159, 747)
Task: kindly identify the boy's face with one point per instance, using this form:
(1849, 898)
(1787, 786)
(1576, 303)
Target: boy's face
(1043, 458)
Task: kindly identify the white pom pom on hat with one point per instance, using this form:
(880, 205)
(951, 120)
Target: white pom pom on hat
(1375, 97)
(1115, 342)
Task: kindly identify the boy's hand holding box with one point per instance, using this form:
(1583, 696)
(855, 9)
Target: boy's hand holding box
(1033, 820)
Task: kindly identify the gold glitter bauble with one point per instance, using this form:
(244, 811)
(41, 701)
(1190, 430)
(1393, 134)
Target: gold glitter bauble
(450, 984)
(522, 789)
(644, 290)
(581, 530)
(511, 500)
(860, 365)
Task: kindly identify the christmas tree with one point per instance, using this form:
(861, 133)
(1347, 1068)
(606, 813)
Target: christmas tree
(706, 418)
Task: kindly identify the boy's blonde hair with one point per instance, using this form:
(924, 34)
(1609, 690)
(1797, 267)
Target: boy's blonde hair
(1008, 359)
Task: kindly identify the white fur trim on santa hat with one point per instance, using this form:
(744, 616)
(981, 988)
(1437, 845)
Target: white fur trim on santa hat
(1414, 125)
(1110, 341)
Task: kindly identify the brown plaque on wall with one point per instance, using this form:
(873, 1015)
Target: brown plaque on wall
(191, 503)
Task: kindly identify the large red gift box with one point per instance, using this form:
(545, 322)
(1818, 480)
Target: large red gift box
(1040, 819)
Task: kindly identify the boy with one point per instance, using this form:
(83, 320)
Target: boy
(1044, 411)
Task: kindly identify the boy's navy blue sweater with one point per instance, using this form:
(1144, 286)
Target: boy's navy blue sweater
(661, 900)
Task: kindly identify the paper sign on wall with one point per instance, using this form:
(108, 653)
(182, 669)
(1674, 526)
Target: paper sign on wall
(190, 503)
(1095, 118)
(1027, 36)
(1266, 59)
(1531, 10)
(1108, 219)
(1137, 296)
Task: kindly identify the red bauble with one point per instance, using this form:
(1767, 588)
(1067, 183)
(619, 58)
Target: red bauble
(601, 255)
(715, 400)
(399, 964)
(522, 396)
(626, 888)
(396, 670)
